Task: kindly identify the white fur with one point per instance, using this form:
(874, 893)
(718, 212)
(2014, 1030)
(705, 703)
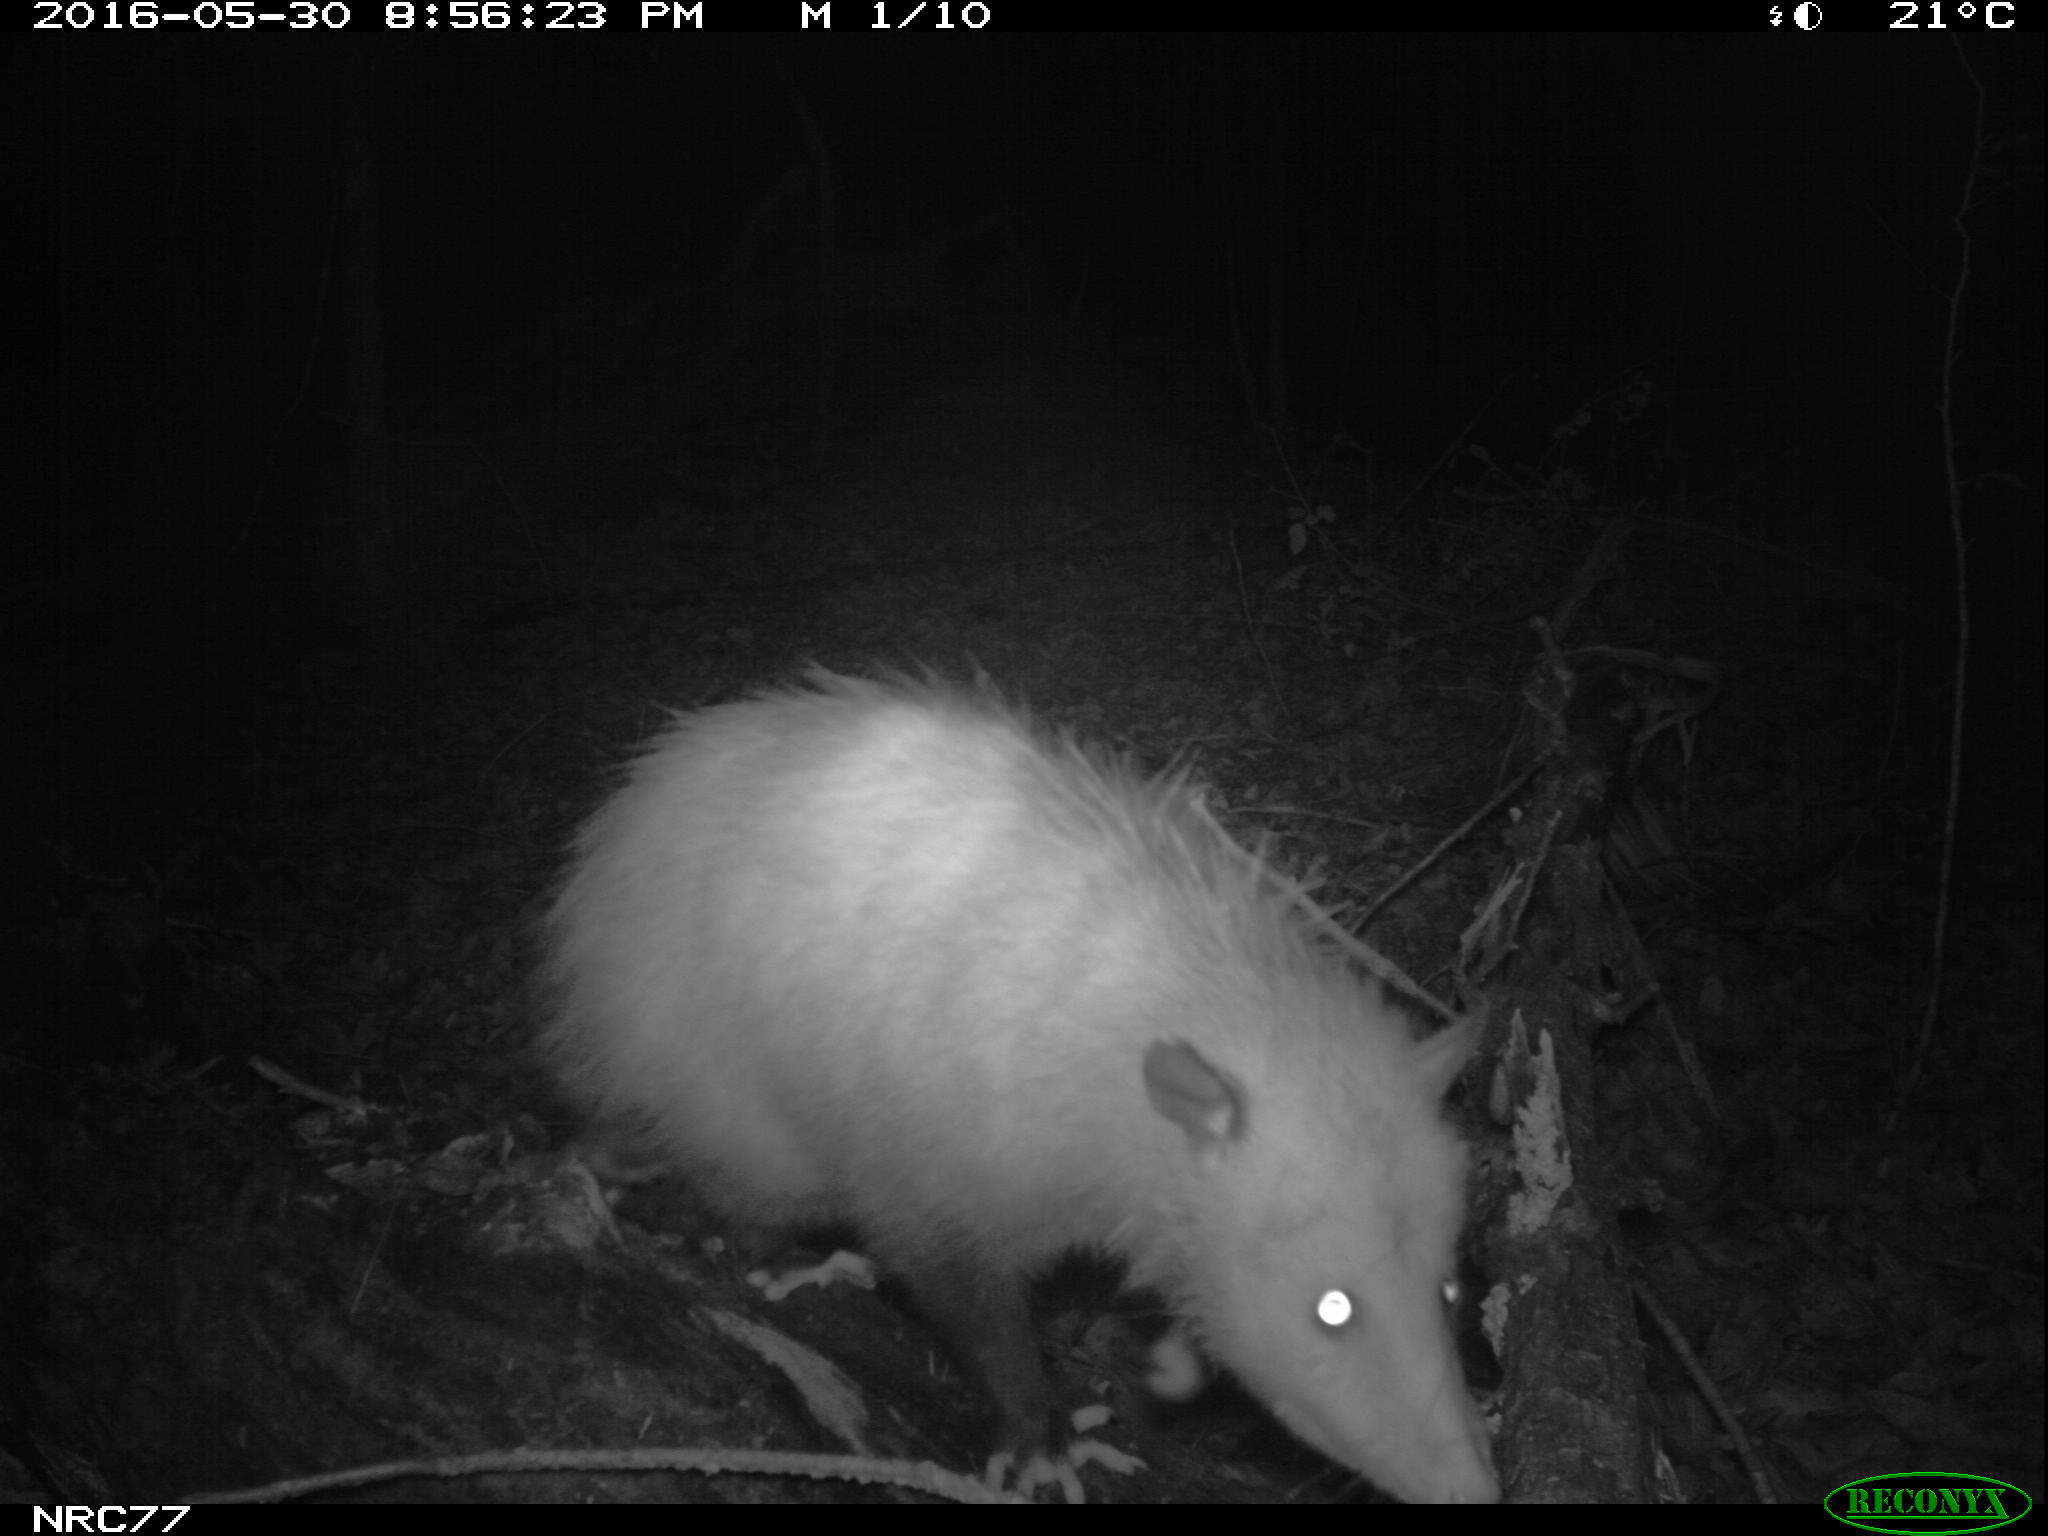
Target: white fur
(884, 953)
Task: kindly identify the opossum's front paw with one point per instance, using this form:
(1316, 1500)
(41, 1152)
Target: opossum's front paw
(854, 1268)
(1176, 1369)
(1062, 1468)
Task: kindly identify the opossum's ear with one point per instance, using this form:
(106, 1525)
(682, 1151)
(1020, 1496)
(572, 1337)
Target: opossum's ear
(1203, 1100)
(1441, 1057)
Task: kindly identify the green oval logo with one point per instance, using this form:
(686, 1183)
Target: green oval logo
(1915, 1502)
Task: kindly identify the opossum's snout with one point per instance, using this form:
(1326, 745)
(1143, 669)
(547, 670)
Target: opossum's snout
(1466, 1474)
(1444, 1456)
(1427, 1442)
(1393, 1408)
(1447, 1458)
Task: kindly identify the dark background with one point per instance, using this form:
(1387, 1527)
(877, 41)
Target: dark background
(595, 244)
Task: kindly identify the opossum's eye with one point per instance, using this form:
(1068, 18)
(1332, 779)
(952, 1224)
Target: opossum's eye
(1452, 1292)
(1334, 1308)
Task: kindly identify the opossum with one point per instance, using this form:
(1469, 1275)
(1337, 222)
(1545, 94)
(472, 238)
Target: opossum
(887, 955)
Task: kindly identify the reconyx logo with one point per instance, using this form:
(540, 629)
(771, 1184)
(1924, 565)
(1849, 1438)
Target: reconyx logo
(1946, 1502)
